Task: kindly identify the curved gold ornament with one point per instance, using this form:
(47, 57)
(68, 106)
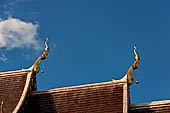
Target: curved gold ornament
(134, 66)
(1, 107)
(36, 67)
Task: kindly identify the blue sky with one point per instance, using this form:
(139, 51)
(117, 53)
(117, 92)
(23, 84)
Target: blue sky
(90, 41)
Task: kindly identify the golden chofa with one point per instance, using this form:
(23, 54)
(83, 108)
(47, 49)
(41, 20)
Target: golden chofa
(134, 66)
(36, 66)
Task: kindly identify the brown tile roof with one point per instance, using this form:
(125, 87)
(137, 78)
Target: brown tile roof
(152, 107)
(12, 87)
(104, 97)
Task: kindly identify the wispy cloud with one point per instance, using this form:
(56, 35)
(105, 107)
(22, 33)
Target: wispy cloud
(15, 2)
(15, 33)
(9, 7)
(3, 58)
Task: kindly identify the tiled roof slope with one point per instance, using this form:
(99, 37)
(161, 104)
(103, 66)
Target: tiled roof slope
(107, 97)
(13, 88)
(152, 107)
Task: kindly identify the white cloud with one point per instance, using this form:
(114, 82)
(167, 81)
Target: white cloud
(3, 58)
(15, 33)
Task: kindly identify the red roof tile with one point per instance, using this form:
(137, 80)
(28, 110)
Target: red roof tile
(152, 107)
(94, 98)
(12, 86)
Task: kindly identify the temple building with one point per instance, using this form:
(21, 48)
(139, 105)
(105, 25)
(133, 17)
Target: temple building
(18, 94)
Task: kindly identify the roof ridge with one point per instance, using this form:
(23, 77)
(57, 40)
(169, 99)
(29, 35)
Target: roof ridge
(15, 72)
(79, 86)
(151, 104)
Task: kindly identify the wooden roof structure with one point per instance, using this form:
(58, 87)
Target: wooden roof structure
(106, 97)
(18, 94)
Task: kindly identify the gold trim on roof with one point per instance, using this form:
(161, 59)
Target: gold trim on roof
(36, 67)
(134, 66)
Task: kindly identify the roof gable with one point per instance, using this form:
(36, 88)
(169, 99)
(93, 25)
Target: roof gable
(14, 86)
(101, 97)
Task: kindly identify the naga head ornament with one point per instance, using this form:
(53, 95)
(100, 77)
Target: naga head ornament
(134, 66)
(36, 67)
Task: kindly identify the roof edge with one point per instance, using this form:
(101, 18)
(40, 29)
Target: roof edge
(150, 104)
(16, 71)
(25, 91)
(118, 82)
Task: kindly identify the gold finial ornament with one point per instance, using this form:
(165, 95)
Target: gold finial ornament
(134, 66)
(137, 81)
(36, 66)
(42, 68)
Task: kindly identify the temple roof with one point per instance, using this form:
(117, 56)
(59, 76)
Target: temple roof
(18, 94)
(14, 86)
(92, 98)
(151, 107)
